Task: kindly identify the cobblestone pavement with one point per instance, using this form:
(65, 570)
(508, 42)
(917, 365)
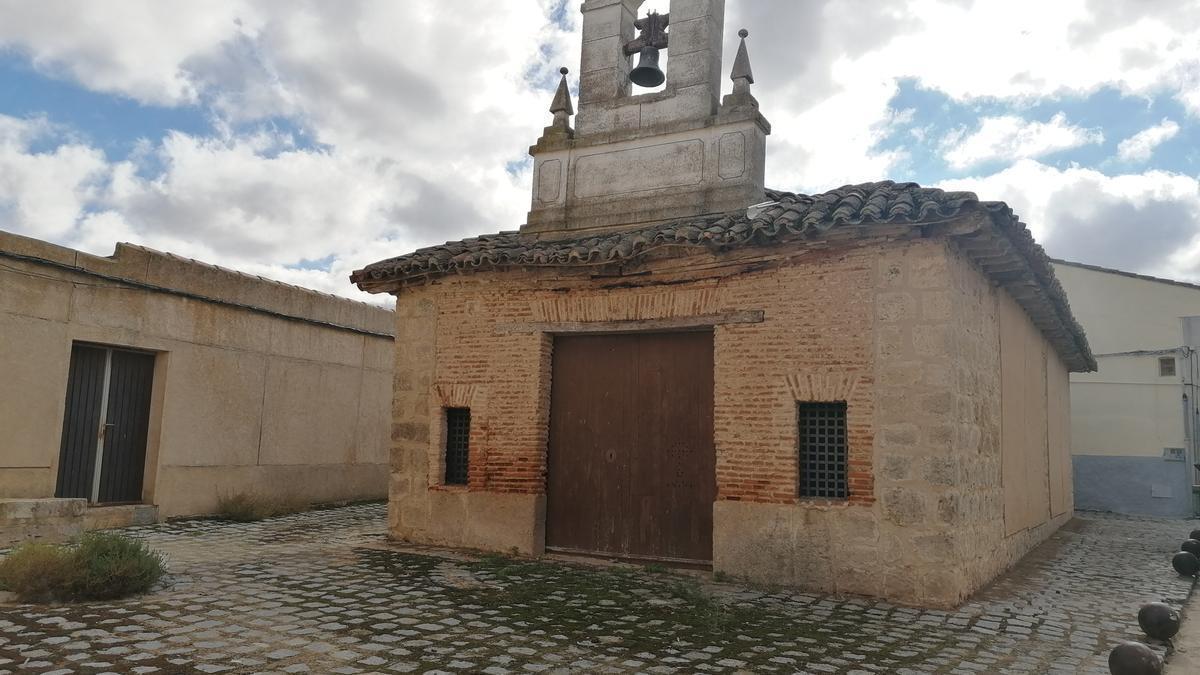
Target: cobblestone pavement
(324, 592)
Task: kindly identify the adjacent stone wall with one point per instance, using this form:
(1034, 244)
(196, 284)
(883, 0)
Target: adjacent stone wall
(259, 386)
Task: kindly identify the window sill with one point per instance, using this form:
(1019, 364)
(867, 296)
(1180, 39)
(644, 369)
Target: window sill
(824, 503)
(449, 488)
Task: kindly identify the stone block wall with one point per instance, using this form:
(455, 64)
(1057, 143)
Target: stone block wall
(940, 413)
(1022, 474)
(46, 521)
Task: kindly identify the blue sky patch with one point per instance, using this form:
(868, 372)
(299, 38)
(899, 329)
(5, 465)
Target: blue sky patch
(111, 123)
(321, 264)
(935, 115)
(118, 125)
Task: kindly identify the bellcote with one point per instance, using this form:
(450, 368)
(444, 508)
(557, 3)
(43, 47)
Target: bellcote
(636, 158)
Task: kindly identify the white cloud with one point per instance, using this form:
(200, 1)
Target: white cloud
(136, 48)
(1031, 49)
(420, 105)
(1145, 222)
(1140, 147)
(44, 192)
(253, 203)
(1008, 138)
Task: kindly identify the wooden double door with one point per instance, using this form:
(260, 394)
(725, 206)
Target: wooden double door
(103, 453)
(631, 461)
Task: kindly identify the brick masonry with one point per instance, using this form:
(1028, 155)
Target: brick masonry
(905, 331)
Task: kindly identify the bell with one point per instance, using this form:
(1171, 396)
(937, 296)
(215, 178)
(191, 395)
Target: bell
(648, 74)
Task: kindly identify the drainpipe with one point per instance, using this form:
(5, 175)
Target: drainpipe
(1190, 411)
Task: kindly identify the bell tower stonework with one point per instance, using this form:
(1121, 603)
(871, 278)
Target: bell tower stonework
(634, 159)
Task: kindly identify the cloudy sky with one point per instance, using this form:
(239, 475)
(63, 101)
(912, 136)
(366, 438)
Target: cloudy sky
(301, 139)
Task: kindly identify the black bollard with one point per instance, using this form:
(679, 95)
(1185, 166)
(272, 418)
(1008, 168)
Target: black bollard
(1194, 535)
(1187, 564)
(1158, 620)
(1134, 658)
(1191, 546)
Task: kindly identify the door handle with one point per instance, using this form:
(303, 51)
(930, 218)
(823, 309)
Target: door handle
(104, 429)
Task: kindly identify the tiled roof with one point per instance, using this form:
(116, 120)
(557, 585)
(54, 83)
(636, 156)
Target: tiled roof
(791, 214)
(1006, 252)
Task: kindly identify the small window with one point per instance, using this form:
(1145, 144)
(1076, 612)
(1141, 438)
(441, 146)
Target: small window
(1166, 366)
(458, 442)
(823, 451)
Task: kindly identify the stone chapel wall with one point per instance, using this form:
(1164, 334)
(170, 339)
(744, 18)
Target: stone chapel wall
(1014, 477)
(908, 333)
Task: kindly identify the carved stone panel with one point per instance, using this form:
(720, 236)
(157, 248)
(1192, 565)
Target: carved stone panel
(640, 169)
(549, 181)
(732, 155)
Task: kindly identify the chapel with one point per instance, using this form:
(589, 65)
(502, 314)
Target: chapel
(862, 391)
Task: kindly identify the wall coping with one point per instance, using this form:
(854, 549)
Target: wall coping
(161, 272)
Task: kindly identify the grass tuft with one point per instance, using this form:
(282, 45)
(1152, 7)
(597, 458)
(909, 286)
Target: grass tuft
(110, 566)
(102, 566)
(244, 507)
(38, 572)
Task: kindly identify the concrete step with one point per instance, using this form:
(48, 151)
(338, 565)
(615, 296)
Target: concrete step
(125, 515)
(54, 521)
(49, 521)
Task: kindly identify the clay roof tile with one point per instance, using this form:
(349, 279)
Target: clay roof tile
(790, 216)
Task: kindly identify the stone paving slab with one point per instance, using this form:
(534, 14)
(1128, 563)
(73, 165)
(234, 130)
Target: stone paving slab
(324, 592)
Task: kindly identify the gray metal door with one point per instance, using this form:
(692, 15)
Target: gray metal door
(103, 453)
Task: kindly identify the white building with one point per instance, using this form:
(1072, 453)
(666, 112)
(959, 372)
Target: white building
(1134, 423)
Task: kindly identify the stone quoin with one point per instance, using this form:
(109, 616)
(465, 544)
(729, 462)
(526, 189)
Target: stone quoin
(862, 391)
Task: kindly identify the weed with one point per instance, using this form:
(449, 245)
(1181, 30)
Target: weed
(102, 566)
(244, 507)
(109, 566)
(656, 568)
(38, 572)
(706, 611)
(496, 560)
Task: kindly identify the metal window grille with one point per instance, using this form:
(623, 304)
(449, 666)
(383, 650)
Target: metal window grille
(458, 442)
(1166, 366)
(823, 450)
